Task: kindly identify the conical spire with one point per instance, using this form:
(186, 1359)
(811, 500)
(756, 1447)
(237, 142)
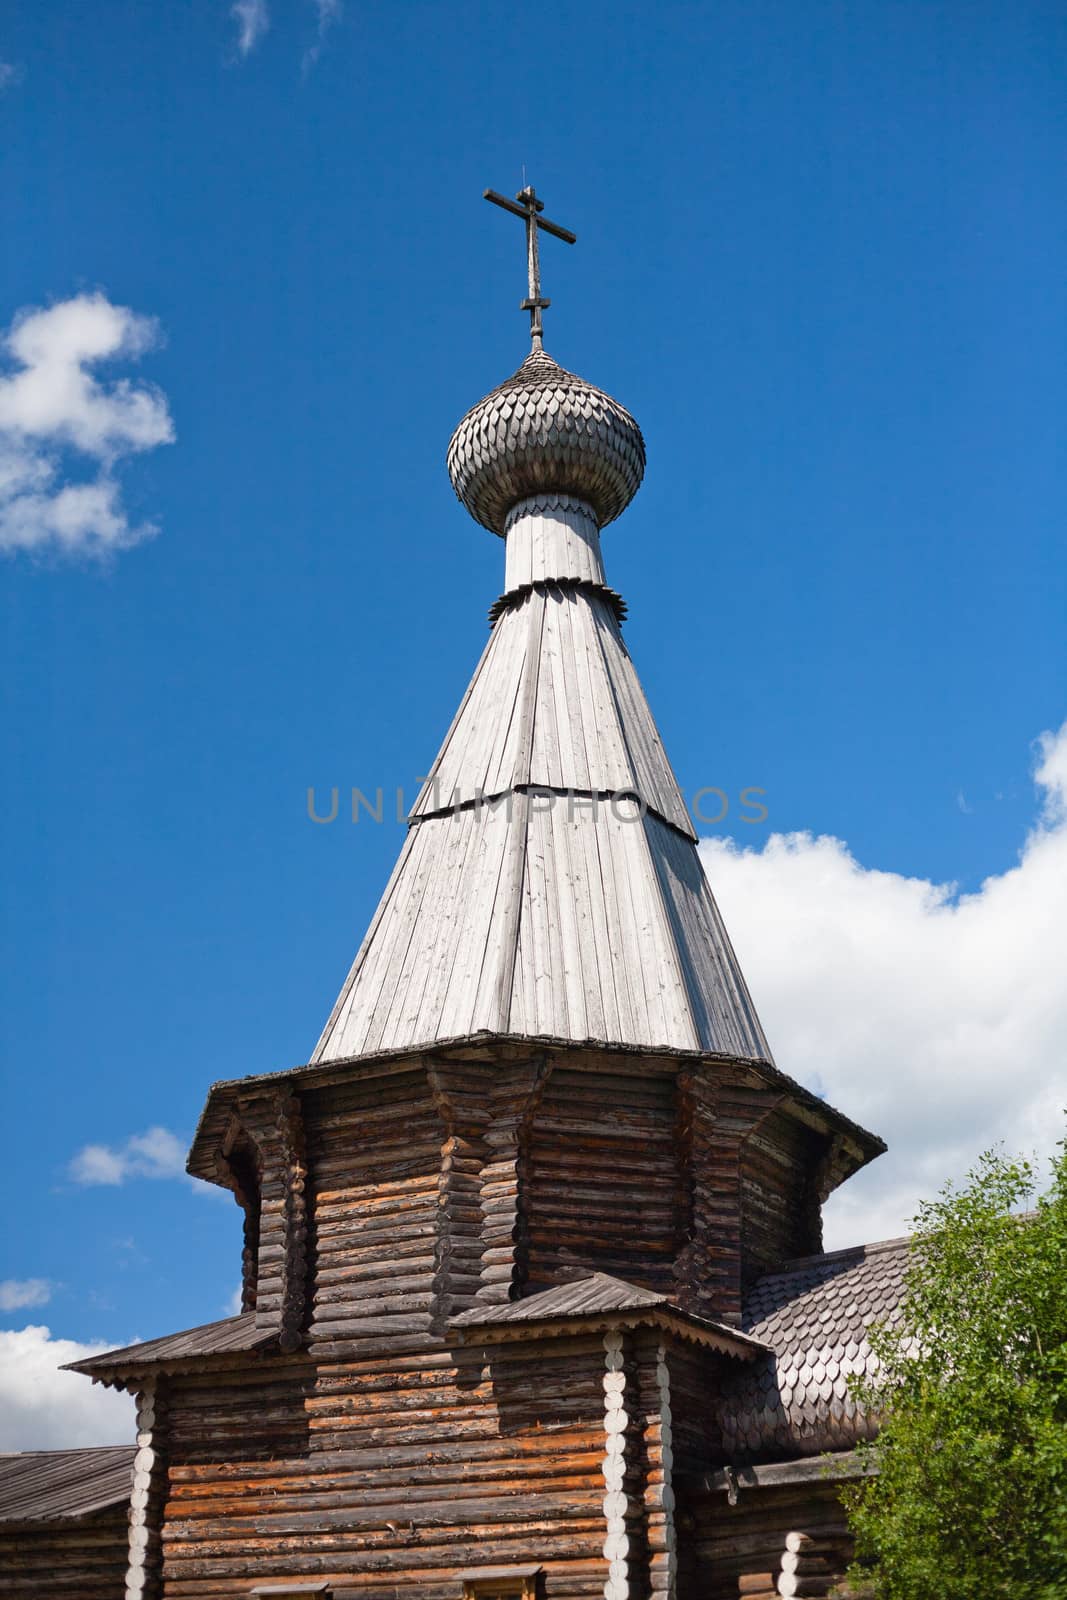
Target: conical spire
(550, 885)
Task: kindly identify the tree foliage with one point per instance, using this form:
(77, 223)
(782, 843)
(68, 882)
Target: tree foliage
(969, 1500)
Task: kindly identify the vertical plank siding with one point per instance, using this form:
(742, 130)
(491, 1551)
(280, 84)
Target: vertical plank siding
(550, 847)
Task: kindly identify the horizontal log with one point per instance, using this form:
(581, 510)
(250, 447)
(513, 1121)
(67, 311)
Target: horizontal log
(445, 1511)
(401, 1272)
(356, 1327)
(375, 1299)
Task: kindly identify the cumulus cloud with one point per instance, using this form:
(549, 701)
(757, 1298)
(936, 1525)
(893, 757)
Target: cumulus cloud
(156, 1153)
(936, 1019)
(57, 416)
(253, 20)
(17, 1293)
(42, 1408)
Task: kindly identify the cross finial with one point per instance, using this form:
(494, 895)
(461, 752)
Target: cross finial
(529, 207)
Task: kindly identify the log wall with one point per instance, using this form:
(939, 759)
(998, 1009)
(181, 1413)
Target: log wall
(603, 1195)
(374, 1150)
(385, 1458)
(694, 1387)
(388, 1474)
(719, 1112)
(391, 1201)
(83, 1559)
(745, 1551)
(779, 1213)
(264, 1154)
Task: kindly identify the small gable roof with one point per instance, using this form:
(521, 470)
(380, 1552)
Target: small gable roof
(601, 1299)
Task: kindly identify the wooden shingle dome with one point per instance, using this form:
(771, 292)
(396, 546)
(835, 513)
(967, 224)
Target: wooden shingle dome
(544, 430)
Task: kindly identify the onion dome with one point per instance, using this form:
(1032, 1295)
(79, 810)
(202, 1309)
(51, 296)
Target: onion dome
(544, 430)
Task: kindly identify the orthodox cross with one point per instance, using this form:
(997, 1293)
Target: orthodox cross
(527, 206)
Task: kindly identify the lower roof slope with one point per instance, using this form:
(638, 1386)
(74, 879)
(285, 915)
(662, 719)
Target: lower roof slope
(231, 1336)
(815, 1315)
(46, 1485)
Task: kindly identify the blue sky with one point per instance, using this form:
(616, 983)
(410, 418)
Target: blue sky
(820, 258)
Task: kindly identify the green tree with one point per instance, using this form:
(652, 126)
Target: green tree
(968, 1499)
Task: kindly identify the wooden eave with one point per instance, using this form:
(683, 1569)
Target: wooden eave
(668, 1319)
(189, 1351)
(859, 1146)
(132, 1378)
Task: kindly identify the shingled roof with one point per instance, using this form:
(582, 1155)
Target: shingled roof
(44, 1485)
(814, 1314)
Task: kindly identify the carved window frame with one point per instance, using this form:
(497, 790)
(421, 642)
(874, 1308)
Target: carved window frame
(501, 1583)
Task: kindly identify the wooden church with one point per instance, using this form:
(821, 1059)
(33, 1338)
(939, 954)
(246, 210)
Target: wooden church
(535, 1305)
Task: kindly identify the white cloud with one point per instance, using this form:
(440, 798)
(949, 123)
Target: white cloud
(937, 1020)
(253, 20)
(17, 1293)
(328, 12)
(10, 74)
(156, 1153)
(42, 1408)
(53, 408)
(234, 1303)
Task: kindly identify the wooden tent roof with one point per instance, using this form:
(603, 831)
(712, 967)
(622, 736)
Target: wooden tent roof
(550, 885)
